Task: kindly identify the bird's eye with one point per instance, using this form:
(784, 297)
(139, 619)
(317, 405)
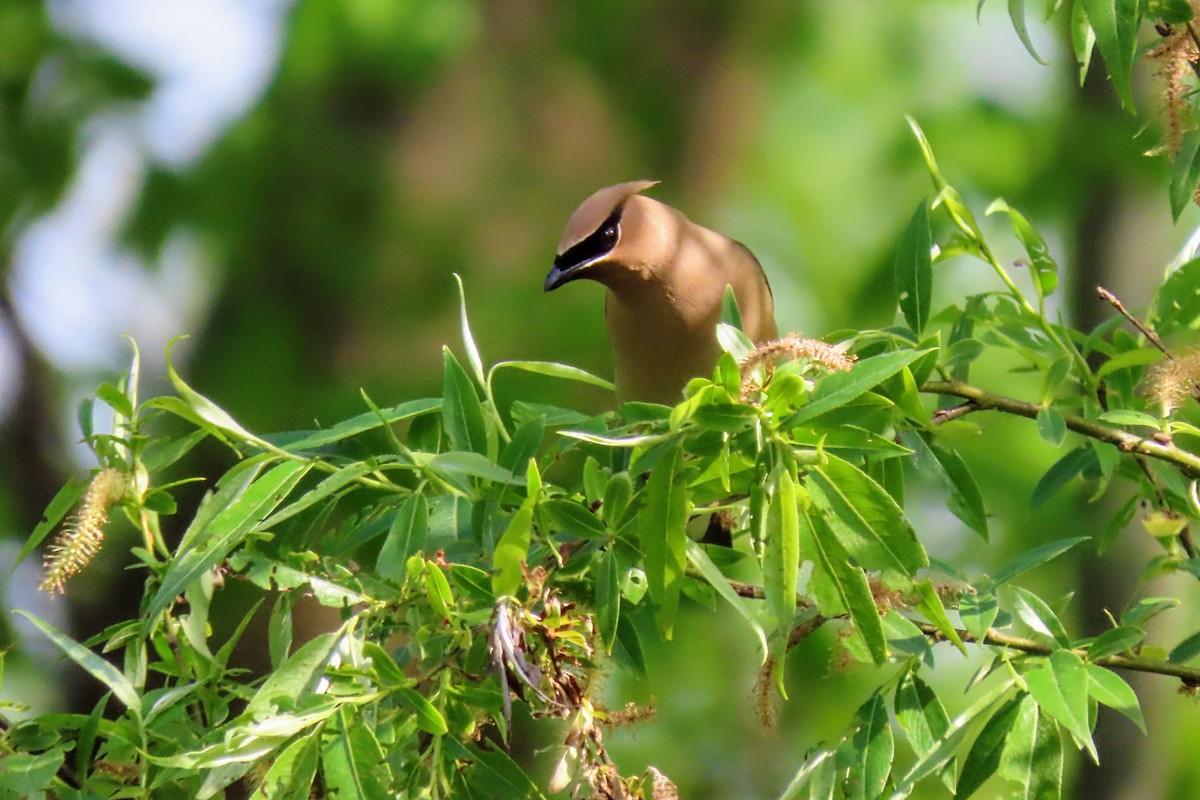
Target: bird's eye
(609, 234)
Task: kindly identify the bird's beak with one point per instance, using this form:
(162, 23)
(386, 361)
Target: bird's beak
(561, 274)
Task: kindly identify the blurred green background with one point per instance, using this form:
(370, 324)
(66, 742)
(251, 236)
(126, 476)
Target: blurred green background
(293, 183)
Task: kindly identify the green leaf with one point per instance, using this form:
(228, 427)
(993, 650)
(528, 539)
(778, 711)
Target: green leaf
(731, 314)
(1035, 558)
(1051, 425)
(462, 413)
(837, 585)
(362, 423)
(984, 755)
(1147, 609)
(1034, 611)
(1061, 690)
(978, 611)
(116, 399)
(1061, 472)
(572, 518)
(948, 744)
(297, 675)
(513, 547)
(1114, 641)
(429, 719)
(1185, 174)
(1016, 12)
(1083, 39)
(1109, 688)
(352, 762)
(920, 713)
(1186, 650)
(781, 548)
(931, 606)
(93, 664)
(815, 764)
(334, 483)
(458, 462)
(1116, 24)
(606, 573)
(966, 501)
(914, 269)
(870, 749)
(473, 357)
(1125, 416)
(840, 388)
(405, 538)
(1138, 357)
(60, 505)
(1045, 270)
(203, 549)
(291, 772)
(492, 773)
(1176, 305)
(553, 370)
(870, 524)
(1033, 754)
(699, 559)
(662, 532)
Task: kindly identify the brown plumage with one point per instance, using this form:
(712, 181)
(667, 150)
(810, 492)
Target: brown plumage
(666, 278)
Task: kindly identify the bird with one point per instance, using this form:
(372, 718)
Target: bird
(665, 278)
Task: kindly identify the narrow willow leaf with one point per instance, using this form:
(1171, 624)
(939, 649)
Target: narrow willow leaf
(352, 762)
(513, 548)
(1109, 688)
(838, 389)
(492, 772)
(871, 749)
(837, 585)
(984, 755)
(553, 370)
(457, 462)
(297, 675)
(699, 559)
(662, 532)
(462, 413)
(920, 713)
(291, 772)
(872, 526)
(617, 495)
(1061, 690)
(1186, 650)
(931, 606)
(429, 719)
(1035, 558)
(1117, 640)
(1016, 12)
(606, 574)
(955, 734)
(93, 664)
(1176, 305)
(571, 518)
(472, 350)
(60, 505)
(781, 549)
(1037, 614)
(1083, 39)
(334, 483)
(1185, 174)
(1116, 24)
(1051, 425)
(1033, 755)
(812, 765)
(1061, 472)
(405, 538)
(966, 501)
(204, 549)
(731, 314)
(978, 611)
(1045, 270)
(361, 423)
(913, 269)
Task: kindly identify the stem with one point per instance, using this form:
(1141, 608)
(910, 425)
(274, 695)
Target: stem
(1127, 442)
(1189, 675)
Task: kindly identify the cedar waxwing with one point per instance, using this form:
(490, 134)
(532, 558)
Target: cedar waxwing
(666, 279)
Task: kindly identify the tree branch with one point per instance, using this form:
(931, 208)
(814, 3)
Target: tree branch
(994, 638)
(1187, 462)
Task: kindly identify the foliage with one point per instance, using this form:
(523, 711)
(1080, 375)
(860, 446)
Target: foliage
(486, 556)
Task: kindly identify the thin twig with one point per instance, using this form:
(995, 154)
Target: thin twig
(943, 415)
(1115, 302)
(1188, 463)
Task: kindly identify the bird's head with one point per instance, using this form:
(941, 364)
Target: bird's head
(601, 231)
